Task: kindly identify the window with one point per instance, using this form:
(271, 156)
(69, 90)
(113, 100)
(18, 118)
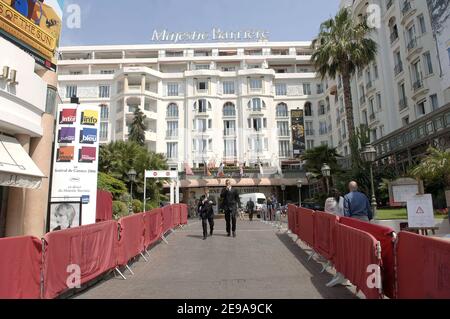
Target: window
(172, 150)
(202, 86)
(416, 76)
(422, 25)
(365, 117)
(434, 102)
(264, 123)
(411, 37)
(284, 149)
(282, 110)
(421, 108)
(71, 91)
(403, 103)
(104, 112)
(283, 129)
(172, 89)
(428, 63)
(405, 121)
(375, 71)
(306, 89)
(308, 109)
(381, 131)
(256, 104)
(172, 110)
(75, 72)
(230, 149)
(309, 144)
(229, 109)
(202, 66)
(104, 91)
(210, 124)
(323, 128)
(281, 89)
(379, 106)
(200, 125)
(202, 105)
(104, 130)
(228, 87)
(398, 63)
(322, 109)
(256, 124)
(255, 84)
(172, 129)
(107, 72)
(319, 88)
(309, 130)
(229, 128)
(373, 135)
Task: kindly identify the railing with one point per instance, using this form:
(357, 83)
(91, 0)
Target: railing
(172, 134)
(403, 104)
(406, 8)
(398, 68)
(394, 37)
(417, 85)
(412, 44)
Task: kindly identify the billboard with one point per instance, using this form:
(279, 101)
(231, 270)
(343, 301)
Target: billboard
(33, 25)
(75, 167)
(298, 132)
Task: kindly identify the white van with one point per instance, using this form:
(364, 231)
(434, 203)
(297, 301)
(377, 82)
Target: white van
(259, 199)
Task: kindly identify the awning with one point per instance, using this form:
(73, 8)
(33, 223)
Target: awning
(17, 169)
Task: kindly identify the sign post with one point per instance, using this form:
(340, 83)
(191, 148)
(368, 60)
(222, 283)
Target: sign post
(420, 211)
(172, 175)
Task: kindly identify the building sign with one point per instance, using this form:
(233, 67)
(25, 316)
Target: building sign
(216, 34)
(75, 168)
(402, 189)
(420, 211)
(34, 24)
(298, 133)
(161, 174)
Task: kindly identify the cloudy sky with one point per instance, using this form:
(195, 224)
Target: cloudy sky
(133, 21)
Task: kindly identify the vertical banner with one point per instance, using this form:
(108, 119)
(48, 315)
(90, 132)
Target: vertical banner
(75, 166)
(298, 132)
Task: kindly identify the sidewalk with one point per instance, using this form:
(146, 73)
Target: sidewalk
(260, 263)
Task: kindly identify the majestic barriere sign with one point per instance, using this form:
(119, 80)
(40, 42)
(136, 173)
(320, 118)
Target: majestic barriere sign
(216, 34)
(76, 160)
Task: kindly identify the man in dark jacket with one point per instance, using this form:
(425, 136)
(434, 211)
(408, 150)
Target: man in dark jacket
(230, 203)
(206, 211)
(250, 209)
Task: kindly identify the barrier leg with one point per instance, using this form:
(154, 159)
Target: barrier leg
(325, 267)
(128, 267)
(142, 255)
(146, 252)
(164, 240)
(120, 273)
(313, 253)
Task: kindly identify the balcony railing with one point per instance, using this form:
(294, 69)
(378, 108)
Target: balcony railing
(229, 132)
(389, 4)
(369, 85)
(172, 134)
(406, 8)
(362, 100)
(398, 68)
(372, 117)
(412, 44)
(403, 104)
(417, 85)
(394, 37)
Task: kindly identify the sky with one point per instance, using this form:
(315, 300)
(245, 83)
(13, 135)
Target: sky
(106, 22)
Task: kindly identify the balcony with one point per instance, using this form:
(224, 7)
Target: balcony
(417, 85)
(172, 135)
(372, 117)
(369, 85)
(389, 4)
(412, 44)
(201, 113)
(407, 11)
(229, 133)
(398, 68)
(256, 112)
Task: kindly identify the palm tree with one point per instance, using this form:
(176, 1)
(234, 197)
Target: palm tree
(341, 47)
(138, 128)
(316, 157)
(436, 166)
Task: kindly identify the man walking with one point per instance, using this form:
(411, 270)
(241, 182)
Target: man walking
(357, 205)
(230, 203)
(207, 213)
(250, 209)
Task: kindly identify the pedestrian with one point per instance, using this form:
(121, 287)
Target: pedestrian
(357, 205)
(269, 208)
(206, 212)
(230, 204)
(250, 209)
(335, 204)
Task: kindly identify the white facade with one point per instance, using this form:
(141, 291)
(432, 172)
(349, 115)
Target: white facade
(222, 102)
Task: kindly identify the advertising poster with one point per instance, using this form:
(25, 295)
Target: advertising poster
(420, 211)
(75, 167)
(298, 133)
(34, 25)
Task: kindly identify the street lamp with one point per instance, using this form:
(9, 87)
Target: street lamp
(283, 188)
(369, 155)
(326, 172)
(132, 176)
(299, 186)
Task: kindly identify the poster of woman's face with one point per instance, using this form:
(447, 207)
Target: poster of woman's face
(65, 215)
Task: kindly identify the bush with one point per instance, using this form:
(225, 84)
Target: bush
(150, 205)
(110, 184)
(137, 206)
(120, 209)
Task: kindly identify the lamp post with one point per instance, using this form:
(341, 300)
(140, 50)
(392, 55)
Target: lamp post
(283, 188)
(132, 176)
(299, 186)
(369, 155)
(326, 172)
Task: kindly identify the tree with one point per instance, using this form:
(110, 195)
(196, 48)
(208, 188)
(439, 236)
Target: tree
(138, 128)
(110, 184)
(341, 47)
(435, 167)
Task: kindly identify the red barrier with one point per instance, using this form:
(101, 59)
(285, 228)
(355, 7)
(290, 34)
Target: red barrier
(184, 214)
(325, 234)
(92, 248)
(355, 251)
(131, 241)
(382, 234)
(176, 213)
(423, 267)
(104, 206)
(167, 219)
(20, 268)
(305, 226)
(153, 226)
(292, 211)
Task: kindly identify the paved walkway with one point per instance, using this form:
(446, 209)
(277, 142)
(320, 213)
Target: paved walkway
(260, 263)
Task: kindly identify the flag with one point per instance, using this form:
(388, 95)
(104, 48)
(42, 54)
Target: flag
(261, 170)
(207, 171)
(220, 173)
(188, 170)
(242, 170)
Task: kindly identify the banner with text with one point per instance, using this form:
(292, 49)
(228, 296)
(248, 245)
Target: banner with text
(298, 133)
(75, 168)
